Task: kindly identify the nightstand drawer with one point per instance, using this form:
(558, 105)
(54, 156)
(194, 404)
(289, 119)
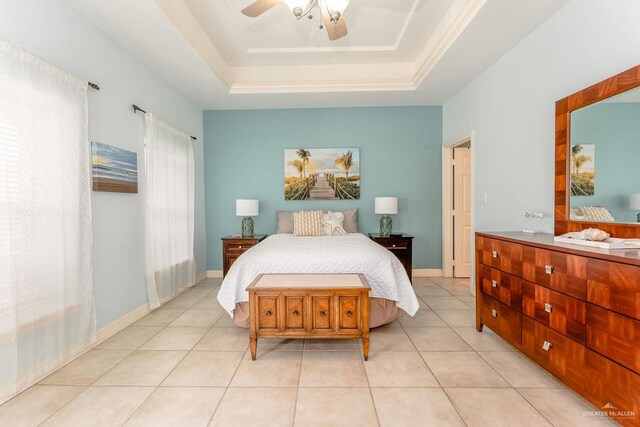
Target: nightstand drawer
(234, 246)
(395, 245)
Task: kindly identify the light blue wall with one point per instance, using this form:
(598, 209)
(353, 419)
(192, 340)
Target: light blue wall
(55, 32)
(400, 151)
(511, 106)
(614, 128)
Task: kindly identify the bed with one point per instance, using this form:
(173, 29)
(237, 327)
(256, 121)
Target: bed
(351, 253)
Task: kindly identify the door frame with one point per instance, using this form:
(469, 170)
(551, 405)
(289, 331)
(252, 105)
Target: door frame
(447, 190)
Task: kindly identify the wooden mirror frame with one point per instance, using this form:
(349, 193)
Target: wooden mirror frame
(615, 85)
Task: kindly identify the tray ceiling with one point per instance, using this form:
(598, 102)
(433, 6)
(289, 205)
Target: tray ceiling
(397, 52)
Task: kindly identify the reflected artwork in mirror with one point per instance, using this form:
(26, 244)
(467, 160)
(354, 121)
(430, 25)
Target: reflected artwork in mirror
(597, 158)
(605, 159)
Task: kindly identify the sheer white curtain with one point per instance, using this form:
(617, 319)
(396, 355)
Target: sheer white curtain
(169, 167)
(47, 311)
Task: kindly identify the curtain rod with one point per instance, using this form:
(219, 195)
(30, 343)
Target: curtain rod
(136, 109)
(93, 86)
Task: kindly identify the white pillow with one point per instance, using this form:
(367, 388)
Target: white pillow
(333, 222)
(596, 213)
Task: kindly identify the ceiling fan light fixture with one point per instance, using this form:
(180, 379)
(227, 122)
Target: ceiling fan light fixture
(297, 7)
(335, 8)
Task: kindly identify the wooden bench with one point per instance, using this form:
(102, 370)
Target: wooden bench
(309, 306)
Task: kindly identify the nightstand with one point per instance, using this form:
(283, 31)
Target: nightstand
(401, 245)
(234, 246)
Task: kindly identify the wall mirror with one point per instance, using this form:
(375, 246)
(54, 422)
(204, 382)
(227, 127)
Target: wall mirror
(598, 157)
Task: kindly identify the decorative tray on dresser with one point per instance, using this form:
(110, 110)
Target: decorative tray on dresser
(572, 309)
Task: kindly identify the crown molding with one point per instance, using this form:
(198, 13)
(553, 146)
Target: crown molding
(324, 78)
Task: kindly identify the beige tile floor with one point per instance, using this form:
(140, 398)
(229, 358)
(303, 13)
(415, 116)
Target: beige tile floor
(186, 364)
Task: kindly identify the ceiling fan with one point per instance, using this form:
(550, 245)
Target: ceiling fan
(332, 12)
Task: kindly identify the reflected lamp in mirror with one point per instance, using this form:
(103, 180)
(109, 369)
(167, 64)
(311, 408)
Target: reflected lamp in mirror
(634, 204)
(247, 209)
(386, 206)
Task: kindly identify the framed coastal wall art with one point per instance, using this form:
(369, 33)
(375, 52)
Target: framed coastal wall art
(114, 169)
(583, 177)
(321, 173)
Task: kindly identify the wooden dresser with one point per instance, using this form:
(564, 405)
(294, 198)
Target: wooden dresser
(234, 246)
(573, 310)
(400, 245)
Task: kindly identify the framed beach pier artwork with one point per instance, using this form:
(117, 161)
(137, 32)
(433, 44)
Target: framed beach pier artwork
(114, 169)
(321, 173)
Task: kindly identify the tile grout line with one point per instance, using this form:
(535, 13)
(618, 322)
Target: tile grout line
(431, 372)
(500, 375)
(226, 389)
(295, 403)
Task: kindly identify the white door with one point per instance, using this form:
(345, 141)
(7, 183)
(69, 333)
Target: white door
(462, 209)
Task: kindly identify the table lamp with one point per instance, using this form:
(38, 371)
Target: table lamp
(386, 206)
(634, 204)
(247, 209)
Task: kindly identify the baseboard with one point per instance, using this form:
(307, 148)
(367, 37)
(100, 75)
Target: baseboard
(426, 272)
(214, 274)
(127, 320)
(200, 277)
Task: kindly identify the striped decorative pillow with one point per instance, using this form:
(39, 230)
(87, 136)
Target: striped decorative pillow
(307, 223)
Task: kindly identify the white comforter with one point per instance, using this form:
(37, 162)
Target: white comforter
(351, 253)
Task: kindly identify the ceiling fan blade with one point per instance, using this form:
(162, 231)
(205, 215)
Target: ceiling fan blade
(259, 7)
(336, 30)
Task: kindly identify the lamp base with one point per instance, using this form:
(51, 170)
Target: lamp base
(247, 226)
(385, 226)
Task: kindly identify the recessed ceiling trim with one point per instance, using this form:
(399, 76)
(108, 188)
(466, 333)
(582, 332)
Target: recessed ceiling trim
(433, 54)
(331, 78)
(190, 28)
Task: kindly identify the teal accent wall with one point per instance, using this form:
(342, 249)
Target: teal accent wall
(400, 153)
(614, 129)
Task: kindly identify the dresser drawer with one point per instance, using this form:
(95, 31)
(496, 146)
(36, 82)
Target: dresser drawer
(610, 385)
(502, 319)
(558, 354)
(505, 256)
(614, 286)
(501, 286)
(614, 335)
(556, 270)
(560, 312)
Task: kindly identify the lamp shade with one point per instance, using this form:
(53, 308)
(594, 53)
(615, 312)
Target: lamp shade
(634, 202)
(246, 207)
(386, 205)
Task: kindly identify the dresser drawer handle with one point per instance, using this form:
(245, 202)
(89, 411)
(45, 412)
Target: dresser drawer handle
(322, 314)
(548, 307)
(295, 313)
(494, 254)
(268, 313)
(548, 269)
(546, 346)
(494, 283)
(494, 312)
(349, 313)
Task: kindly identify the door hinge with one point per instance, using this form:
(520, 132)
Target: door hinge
(453, 213)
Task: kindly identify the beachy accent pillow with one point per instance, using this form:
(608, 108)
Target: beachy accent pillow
(595, 213)
(307, 223)
(332, 222)
(350, 220)
(284, 224)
